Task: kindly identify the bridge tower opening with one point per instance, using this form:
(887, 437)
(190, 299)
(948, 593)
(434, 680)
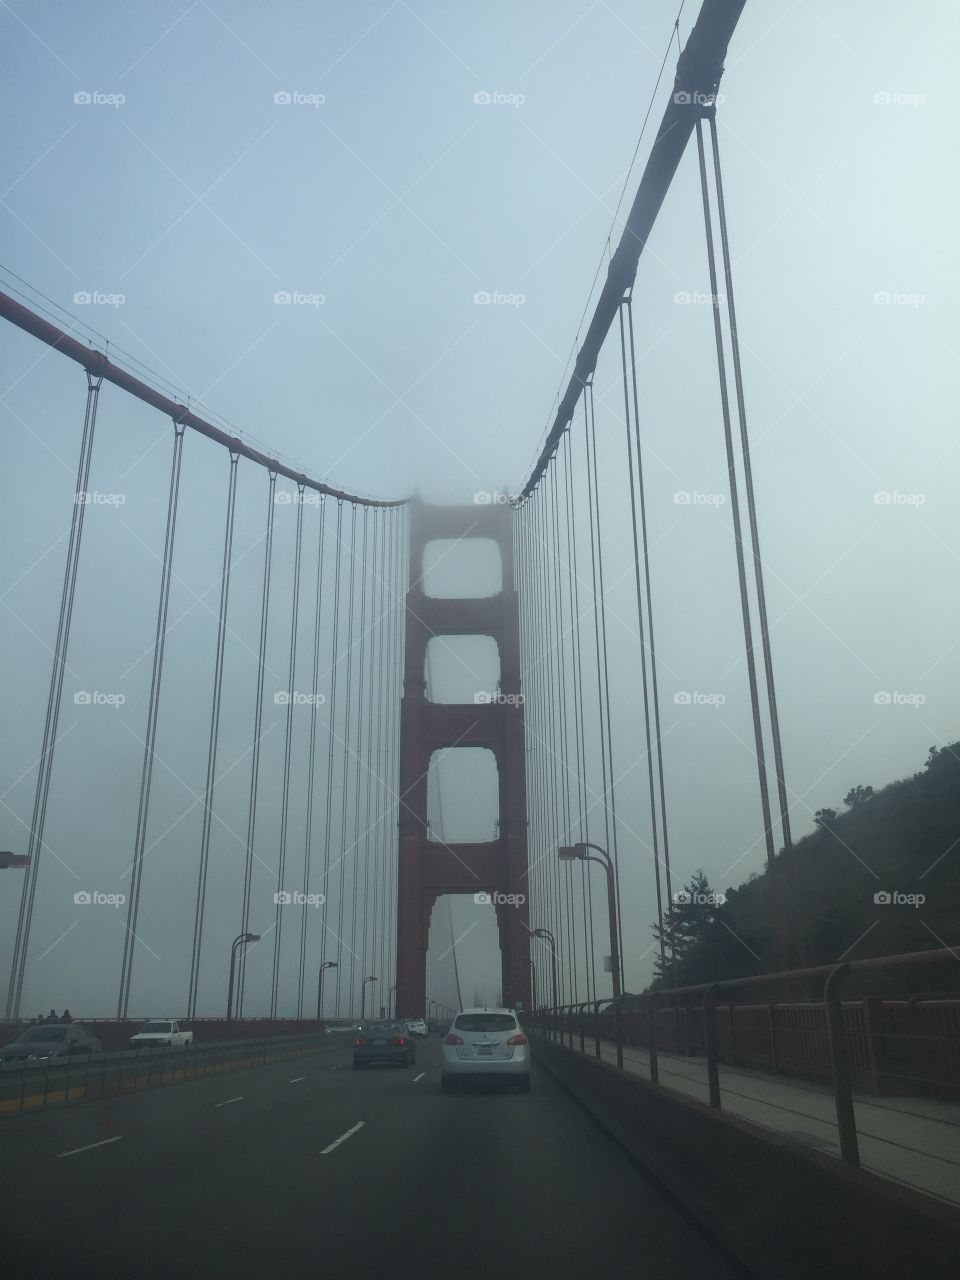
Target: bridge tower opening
(427, 867)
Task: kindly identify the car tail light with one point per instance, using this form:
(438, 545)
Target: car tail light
(358, 1044)
(452, 1039)
(398, 1040)
(520, 1039)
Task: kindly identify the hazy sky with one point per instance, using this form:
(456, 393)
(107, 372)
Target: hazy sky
(184, 164)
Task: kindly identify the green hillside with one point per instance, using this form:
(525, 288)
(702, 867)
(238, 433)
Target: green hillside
(901, 840)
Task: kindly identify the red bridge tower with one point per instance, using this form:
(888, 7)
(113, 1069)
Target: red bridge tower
(429, 868)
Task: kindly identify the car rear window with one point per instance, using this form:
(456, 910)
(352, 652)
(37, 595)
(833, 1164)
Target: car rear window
(486, 1022)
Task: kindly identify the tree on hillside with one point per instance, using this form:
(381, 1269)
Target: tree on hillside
(690, 924)
(857, 795)
(825, 817)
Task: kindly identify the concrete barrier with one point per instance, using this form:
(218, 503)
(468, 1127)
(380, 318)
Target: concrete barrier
(784, 1212)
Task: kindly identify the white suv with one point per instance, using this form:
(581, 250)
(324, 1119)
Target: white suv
(485, 1042)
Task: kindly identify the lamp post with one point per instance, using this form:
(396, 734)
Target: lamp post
(327, 964)
(570, 853)
(533, 975)
(545, 933)
(363, 996)
(391, 1003)
(240, 940)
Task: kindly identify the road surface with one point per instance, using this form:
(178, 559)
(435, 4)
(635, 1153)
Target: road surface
(307, 1168)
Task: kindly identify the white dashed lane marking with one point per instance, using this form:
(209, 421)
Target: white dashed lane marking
(419, 1077)
(77, 1150)
(228, 1101)
(343, 1137)
(297, 1079)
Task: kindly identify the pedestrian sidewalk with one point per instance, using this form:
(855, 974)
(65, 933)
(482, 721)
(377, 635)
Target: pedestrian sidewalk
(915, 1141)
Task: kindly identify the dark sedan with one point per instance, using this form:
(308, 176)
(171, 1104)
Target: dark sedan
(43, 1043)
(384, 1042)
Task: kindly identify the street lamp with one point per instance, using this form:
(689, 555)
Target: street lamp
(327, 964)
(572, 852)
(363, 996)
(391, 1003)
(545, 933)
(240, 940)
(533, 974)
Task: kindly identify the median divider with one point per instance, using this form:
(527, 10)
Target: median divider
(782, 1211)
(106, 1075)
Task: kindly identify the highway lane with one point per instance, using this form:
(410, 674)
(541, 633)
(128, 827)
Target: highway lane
(285, 1169)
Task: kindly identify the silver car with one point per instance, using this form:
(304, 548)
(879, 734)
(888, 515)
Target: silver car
(485, 1043)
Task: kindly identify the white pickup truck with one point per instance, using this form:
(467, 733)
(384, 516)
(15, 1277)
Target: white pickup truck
(161, 1035)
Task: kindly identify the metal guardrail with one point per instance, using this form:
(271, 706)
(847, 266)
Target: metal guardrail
(841, 1043)
(26, 1087)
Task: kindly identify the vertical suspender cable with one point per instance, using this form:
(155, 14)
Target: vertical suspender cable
(348, 706)
(741, 569)
(563, 721)
(311, 759)
(537, 630)
(586, 893)
(359, 845)
(35, 846)
(257, 732)
(548, 812)
(146, 777)
(640, 622)
(372, 827)
(280, 899)
(214, 739)
(385, 764)
(654, 677)
(800, 957)
(603, 669)
(331, 735)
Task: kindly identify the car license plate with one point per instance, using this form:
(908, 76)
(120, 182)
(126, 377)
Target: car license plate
(379, 1043)
(485, 1051)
